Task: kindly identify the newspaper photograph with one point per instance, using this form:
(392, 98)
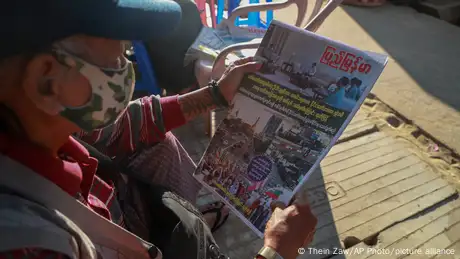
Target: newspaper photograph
(284, 119)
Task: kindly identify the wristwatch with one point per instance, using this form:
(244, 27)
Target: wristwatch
(267, 253)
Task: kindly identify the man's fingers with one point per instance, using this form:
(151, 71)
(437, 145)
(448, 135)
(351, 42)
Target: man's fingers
(277, 204)
(300, 197)
(304, 209)
(309, 238)
(249, 67)
(243, 61)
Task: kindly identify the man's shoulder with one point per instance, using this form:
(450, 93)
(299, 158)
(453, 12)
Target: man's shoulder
(19, 213)
(24, 223)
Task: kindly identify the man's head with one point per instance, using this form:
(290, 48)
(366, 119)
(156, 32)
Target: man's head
(63, 67)
(343, 81)
(355, 82)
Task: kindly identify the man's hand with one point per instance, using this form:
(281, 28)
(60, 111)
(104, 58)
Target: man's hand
(290, 229)
(231, 79)
(201, 101)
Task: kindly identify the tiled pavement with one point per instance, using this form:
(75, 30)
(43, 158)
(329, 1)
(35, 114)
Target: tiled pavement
(380, 182)
(375, 181)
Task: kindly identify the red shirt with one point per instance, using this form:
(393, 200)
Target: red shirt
(74, 170)
(144, 123)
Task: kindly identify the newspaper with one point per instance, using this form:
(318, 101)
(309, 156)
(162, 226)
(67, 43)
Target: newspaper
(284, 119)
(211, 41)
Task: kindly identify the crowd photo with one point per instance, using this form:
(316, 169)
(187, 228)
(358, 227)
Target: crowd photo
(259, 157)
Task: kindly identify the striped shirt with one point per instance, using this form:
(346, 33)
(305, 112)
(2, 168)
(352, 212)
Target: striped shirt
(144, 123)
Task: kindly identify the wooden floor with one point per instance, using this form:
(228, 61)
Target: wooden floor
(376, 181)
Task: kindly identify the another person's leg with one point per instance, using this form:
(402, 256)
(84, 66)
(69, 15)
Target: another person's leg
(167, 54)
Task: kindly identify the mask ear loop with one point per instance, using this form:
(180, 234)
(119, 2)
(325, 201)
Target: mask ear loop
(61, 55)
(45, 92)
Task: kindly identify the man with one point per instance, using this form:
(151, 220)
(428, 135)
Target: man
(362, 89)
(312, 71)
(341, 83)
(63, 70)
(338, 99)
(352, 91)
(356, 89)
(332, 88)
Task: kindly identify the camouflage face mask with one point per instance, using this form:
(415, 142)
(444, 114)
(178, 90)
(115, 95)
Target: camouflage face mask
(112, 90)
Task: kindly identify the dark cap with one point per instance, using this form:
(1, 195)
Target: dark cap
(28, 25)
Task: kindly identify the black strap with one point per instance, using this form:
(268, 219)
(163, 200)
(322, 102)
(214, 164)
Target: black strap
(107, 169)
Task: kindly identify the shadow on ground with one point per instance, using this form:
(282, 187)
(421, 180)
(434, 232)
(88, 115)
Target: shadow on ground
(325, 244)
(427, 48)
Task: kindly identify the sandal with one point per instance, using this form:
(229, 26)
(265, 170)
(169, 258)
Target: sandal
(217, 208)
(364, 3)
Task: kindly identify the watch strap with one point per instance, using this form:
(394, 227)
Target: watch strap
(216, 94)
(268, 253)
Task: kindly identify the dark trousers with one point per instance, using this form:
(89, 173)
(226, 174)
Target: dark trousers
(171, 223)
(167, 54)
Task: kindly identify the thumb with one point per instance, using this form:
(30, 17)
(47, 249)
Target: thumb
(249, 67)
(300, 197)
(277, 204)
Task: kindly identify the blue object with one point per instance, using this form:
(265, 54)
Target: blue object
(340, 101)
(146, 80)
(220, 9)
(232, 5)
(253, 17)
(353, 93)
(35, 25)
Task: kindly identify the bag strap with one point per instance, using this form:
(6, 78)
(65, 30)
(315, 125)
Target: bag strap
(107, 168)
(55, 237)
(102, 232)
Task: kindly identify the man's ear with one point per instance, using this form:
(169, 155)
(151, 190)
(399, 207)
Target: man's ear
(41, 83)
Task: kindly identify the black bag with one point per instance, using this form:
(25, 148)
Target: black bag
(177, 228)
(167, 54)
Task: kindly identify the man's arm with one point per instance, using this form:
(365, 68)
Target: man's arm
(196, 103)
(146, 120)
